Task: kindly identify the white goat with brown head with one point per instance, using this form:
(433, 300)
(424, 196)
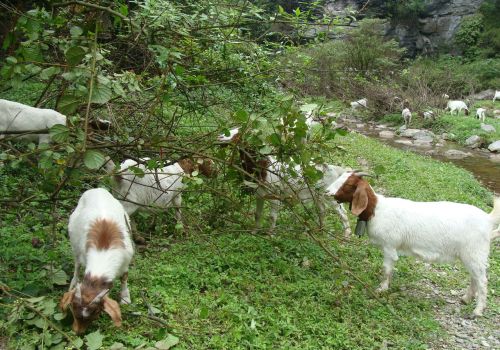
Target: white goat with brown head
(99, 235)
(431, 231)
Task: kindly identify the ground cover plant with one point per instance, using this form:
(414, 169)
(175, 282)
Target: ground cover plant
(171, 77)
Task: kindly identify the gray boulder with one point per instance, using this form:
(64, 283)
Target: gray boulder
(474, 141)
(495, 146)
(409, 132)
(404, 142)
(424, 135)
(423, 143)
(488, 127)
(386, 134)
(483, 95)
(456, 154)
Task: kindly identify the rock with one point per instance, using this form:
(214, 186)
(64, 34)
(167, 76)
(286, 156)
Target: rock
(496, 113)
(409, 132)
(331, 114)
(488, 127)
(422, 143)
(448, 136)
(495, 146)
(485, 344)
(483, 95)
(424, 135)
(474, 141)
(381, 126)
(386, 134)
(360, 125)
(456, 154)
(430, 152)
(404, 142)
(495, 158)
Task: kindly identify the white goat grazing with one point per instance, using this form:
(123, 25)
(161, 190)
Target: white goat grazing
(157, 188)
(99, 234)
(406, 114)
(359, 103)
(457, 106)
(428, 115)
(18, 117)
(481, 114)
(274, 183)
(431, 231)
(497, 95)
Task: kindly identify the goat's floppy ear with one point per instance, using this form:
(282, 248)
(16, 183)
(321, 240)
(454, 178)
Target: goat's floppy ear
(359, 199)
(112, 308)
(66, 299)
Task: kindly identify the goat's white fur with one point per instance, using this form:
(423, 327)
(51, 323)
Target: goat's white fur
(481, 114)
(232, 133)
(279, 183)
(497, 95)
(359, 103)
(457, 106)
(434, 232)
(157, 188)
(93, 205)
(428, 115)
(19, 117)
(406, 114)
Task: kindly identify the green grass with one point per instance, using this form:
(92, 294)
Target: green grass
(223, 289)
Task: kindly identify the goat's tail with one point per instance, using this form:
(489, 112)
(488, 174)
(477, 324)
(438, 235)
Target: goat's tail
(495, 213)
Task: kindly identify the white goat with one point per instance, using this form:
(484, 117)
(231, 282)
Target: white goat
(359, 103)
(428, 115)
(497, 95)
(431, 231)
(99, 235)
(406, 114)
(157, 188)
(445, 96)
(481, 114)
(18, 117)
(273, 182)
(457, 106)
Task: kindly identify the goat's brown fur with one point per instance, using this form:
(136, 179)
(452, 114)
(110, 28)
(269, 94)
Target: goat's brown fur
(360, 195)
(104, 234)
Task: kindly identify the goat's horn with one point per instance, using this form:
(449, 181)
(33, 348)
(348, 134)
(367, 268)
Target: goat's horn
(99, 296)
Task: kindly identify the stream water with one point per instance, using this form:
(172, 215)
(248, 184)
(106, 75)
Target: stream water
(479, 162)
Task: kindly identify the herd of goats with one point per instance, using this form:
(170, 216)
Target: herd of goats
(100, 230)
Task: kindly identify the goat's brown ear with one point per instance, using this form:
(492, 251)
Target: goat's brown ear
(112, 308)
(359, 199)
(66, 299)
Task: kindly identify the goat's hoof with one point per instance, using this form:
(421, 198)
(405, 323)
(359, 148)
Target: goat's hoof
(125, 300)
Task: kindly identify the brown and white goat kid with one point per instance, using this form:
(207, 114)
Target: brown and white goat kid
(273, 183)
(99, 234)
(431, 231)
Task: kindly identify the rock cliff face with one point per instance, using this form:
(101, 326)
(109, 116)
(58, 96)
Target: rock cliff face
(435, 26)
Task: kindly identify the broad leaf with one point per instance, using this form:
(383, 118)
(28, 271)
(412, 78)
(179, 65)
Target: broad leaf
(74, 55)
(59, 133)
(94, 340)
(93, 159)
(60, 278)
(101, 94)
(167, 343)
(68, 104)
(49, 72)
(76, 31)
(308, 107)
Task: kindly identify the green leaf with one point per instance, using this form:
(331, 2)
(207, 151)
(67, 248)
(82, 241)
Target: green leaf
(204, 312)
(117, 346)
(94, 340)
(137, 171)
(167, 343)
(93, 159)
(241, 116)
(11, 60)
(308, 107)
(78, 343)
(59, 133)
(60, 278)
(35, 300)
(101, 94)
(49, 72)
(74, 55)
(76, 31)
(68, 104)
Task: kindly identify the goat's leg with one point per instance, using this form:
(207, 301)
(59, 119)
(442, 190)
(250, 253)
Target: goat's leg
(275, 206)
(177, 202)
(471, 292)
(74, 280)
(390, 258)
(124, 293)
(259, 208)
(345, 220)
(482, 290)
